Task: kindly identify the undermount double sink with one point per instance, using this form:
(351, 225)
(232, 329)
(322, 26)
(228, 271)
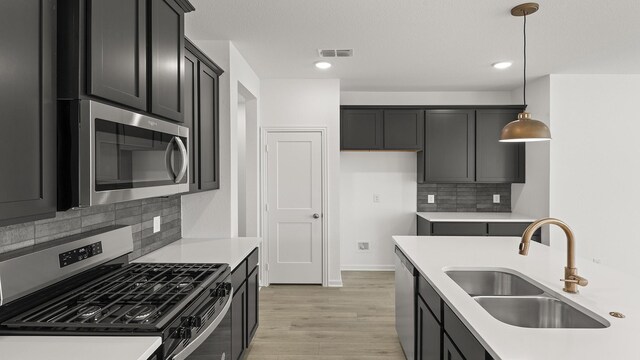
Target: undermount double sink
(519, 302)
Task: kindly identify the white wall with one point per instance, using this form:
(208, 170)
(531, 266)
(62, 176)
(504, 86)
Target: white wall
(532, 197)
(242, 166)
(311, 103)
(215, 213)
(595, 163)
(392, 176)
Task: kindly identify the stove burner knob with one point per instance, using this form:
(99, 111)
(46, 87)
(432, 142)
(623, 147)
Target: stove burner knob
(222, 290)
(193, 321)
(182, 333)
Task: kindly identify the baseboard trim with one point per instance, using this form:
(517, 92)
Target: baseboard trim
(335, 283)
(368, 268)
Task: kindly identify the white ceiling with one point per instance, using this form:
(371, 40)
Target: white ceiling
(424, 45)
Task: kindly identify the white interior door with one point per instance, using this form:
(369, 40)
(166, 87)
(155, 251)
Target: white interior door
(294, 207)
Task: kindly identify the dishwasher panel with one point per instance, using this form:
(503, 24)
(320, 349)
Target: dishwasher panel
(405, 282)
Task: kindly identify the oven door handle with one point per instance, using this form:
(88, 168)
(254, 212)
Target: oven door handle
(176, 178)
(193, 345)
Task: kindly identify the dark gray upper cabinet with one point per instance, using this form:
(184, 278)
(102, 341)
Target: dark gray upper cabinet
(449, 146)
(127, 53)
(191, 116)
(496, 161)
(117, 56)
(361, 129)
(403, 129)
(167, 59)
(201, 92)
(208, 127)
(28, 110)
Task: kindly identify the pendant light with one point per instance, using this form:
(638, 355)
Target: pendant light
(525, 128)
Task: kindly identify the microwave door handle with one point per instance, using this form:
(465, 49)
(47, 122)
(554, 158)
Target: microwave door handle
(205, 334)
(167, 159)
(185, 160)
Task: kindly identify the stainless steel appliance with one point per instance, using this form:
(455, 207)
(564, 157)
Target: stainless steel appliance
(115, 155)
(82, 285)
(405, 304)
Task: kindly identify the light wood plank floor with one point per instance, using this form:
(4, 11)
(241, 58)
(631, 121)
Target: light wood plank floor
(355, 322)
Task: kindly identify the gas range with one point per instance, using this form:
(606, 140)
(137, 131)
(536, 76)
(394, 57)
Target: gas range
(90, 289)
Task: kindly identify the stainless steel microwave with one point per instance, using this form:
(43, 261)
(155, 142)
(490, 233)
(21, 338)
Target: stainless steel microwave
(107, 155)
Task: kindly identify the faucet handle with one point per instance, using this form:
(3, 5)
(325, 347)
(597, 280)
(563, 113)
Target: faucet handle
(576, 279)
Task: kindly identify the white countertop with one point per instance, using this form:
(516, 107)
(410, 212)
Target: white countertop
(475, 217)
(78, 347)
(204, 250)
(608, 290)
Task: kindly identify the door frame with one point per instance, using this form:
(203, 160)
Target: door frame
(325, 197)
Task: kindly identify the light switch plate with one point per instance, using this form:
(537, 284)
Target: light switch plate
(431, 199)
(156, 224)
(364, 246)
(376, 198)
(496, 198)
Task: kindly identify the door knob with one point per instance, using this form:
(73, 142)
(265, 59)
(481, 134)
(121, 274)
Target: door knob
(316, 216)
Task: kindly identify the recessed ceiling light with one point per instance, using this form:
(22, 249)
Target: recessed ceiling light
(502, 65)
(323, 65)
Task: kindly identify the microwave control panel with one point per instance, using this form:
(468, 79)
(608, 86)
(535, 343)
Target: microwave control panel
(73, 256)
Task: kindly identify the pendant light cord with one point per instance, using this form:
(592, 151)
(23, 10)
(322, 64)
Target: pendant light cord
(524, 33)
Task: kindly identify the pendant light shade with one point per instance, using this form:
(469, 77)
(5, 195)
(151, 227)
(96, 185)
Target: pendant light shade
(525, 129)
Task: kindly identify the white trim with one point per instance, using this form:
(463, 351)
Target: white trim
(325, 198)
(368, 268)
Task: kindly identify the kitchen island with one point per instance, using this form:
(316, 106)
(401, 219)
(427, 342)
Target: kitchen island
(608, 290)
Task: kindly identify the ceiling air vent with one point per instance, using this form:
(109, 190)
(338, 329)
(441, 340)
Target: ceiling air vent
(335, 53)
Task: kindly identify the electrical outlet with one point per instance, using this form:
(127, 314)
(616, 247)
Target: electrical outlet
(364, 246)
(376, 198)
(431, 199)
(496, 198)
(596, 260)
(156, 224)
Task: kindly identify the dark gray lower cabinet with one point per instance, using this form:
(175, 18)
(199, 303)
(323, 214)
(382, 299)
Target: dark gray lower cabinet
(443, 337)
(244, 305)
(449, 351)
(429, 228)
(28, 110)
(238, 322)
(252, 304)
(428, 333)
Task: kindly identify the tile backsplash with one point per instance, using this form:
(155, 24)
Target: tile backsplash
(464, 197)
(138, 213)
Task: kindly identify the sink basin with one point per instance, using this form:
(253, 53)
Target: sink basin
(537, 312)
(489, 282)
